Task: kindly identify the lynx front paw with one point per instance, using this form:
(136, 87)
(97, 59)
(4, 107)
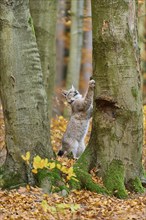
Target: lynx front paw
(92, 83)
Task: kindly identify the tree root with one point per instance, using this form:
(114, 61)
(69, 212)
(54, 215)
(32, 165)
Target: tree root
(86, 182)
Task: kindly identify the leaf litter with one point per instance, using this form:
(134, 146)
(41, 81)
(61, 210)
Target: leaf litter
(31, 202)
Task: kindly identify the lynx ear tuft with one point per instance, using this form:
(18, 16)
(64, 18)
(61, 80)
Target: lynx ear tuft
(64, 92)
(73, 88)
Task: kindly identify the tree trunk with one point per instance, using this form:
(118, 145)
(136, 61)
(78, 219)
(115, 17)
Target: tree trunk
(44, 16)
(142, 42)
(86, 69)
(74, 66)
(22, 92)
(141, 32)
(115, 146)
(60, 47)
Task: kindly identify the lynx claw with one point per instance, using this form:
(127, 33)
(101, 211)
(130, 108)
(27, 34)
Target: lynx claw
(92, 83)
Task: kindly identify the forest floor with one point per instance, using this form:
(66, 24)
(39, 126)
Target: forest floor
(32, 203)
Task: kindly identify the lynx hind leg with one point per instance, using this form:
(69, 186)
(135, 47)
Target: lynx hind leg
(74, 149)
(69, 146)
(81, 149)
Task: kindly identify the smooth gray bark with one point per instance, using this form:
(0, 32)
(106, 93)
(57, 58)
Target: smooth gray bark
(22, 92)
(60, 42)
(44, 16)
(86, 71)
(141, 33)
(142, 43)
(73, 74)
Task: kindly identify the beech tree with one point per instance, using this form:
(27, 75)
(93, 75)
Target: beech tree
(44, 16)
(115, 146)
(22, 93)
(76, 41)
(86, 68)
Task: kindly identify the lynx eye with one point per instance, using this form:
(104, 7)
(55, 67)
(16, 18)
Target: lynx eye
(69, 93)
(76, 93)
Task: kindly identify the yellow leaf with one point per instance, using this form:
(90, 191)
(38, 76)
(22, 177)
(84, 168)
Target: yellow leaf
(70, 170)
(36, 162)
(68, 177)
(37, 159)
(63, 206)
(73, 178)
(45, 205)
(60, 117)
(58, 166)
(75, 207)
(144, 107)
(64, 169)
(52, 165)
(46, 162)
(42, 164)
(28, 187)
(34, 171)
(26, 157)
(70, 173)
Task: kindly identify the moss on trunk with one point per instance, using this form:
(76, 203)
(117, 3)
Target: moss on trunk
(86, 182)
(11, 180)
(135, 185)
(87, 160)
(114, 179)
(81, 168)
(51, 181)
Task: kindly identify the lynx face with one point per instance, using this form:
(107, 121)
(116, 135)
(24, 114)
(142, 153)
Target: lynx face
(71, 95)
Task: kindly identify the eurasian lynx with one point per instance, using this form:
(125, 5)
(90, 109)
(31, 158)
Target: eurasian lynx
(73, 138)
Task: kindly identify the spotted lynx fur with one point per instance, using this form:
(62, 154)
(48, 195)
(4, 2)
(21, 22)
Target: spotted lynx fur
(73, 138)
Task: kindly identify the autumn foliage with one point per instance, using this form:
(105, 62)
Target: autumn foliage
(32, 203)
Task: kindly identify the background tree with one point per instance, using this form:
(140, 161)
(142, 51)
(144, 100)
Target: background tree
(86, 68)
(22, 92)
(44, 16)
(141, 32)
(60, 32)
(142, 42)
(115, 146)
(76, 42)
